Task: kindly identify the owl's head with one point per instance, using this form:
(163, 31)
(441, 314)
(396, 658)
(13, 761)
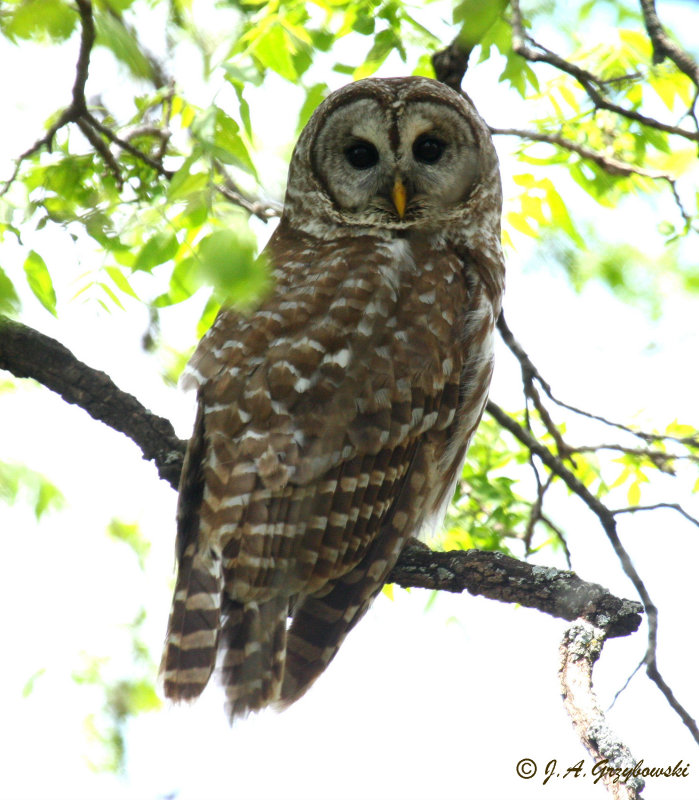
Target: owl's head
(393, 154)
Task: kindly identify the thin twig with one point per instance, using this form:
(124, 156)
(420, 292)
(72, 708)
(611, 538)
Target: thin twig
(102, 149)
(608, 522)
(77, 107)
(558, 533)
(613, 166)
(531, 372)
(672, 506)
(591, 83)
(231, 191)
(128, 147)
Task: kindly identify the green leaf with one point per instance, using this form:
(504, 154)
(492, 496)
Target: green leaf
(384, 42)
(274, 49)
(184, 182)
(218, 135)
(28, 687)
(9, 300)
(130, 535)
(40, 281)
(227, 261)
(314, 97)
(231, 147)
(113, 34)
(184, 282)
(36, 19)
(40, 492)
(477, 18)
(120, 281)
(143, 697)
(48, 497)
(161, 247)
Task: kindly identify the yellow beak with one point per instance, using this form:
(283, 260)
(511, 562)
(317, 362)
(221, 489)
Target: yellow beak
(399, 196)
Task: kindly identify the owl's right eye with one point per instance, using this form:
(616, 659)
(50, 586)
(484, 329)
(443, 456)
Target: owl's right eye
(362, 155)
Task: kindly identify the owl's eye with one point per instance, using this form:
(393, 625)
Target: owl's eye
(428, 149)
(362, 155)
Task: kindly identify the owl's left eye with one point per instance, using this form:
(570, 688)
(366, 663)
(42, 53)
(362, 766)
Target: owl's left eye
(362, 155)
(428, 149)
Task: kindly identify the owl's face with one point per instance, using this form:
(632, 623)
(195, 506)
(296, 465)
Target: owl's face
(391, 153)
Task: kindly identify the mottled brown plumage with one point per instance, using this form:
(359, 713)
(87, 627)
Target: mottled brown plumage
(333, 420)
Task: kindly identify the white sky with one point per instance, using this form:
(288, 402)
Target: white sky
(438, 704)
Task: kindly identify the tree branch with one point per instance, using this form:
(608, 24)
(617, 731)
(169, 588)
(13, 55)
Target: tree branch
(26, 353)
(610, 165)
(664, 46)
(560, 593)
(450, 64)
(580, 649)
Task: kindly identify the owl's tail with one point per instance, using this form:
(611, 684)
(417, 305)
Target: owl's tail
(253, 641)
(192, 636)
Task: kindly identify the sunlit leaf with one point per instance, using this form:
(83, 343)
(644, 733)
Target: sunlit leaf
(120, 281)
(9, 300)
(36, 19)
(227, 261)
(476, 18)
(39, 281)
(161, 247)
(273, 50)
(633, 494)
(28, 687)
(130, 534)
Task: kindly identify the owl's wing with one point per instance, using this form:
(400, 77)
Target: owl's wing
(302, 476)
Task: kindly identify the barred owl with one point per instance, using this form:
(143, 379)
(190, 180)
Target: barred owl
(333, 421)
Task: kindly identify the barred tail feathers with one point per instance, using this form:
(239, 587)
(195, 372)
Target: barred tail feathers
(193, 629)
(253, 642)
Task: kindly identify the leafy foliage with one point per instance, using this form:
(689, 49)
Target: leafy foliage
(18, 480)
(123, 698)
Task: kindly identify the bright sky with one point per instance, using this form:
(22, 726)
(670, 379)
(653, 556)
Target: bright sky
(436, 704)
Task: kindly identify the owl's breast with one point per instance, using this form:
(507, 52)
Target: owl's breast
(449, 317)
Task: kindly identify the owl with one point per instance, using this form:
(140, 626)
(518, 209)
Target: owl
(333, 421)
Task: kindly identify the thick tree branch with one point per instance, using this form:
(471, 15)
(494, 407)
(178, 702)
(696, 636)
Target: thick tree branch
(559, 593)
(26, 353)
(580, 649)
(664, 46)
(450, 64)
